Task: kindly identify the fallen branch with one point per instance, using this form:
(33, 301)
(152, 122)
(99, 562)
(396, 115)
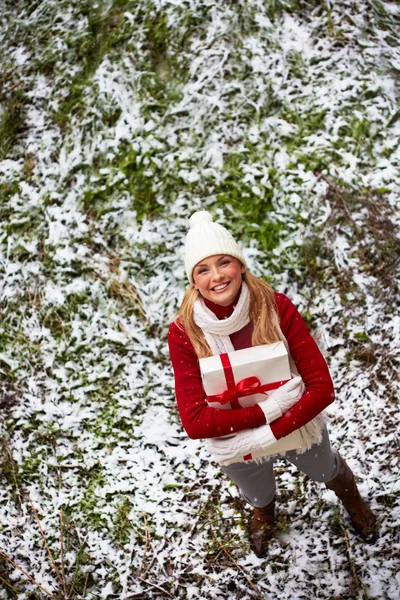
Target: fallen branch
(54, 466)
(62, 552)
(12, 88)
(12, 463)
(46, 544)
(157, 551)
(28, 576)
(85, 586)
(220, 519)
(146, 547)
(352, 567)
(10, 587)
(149, 567)
(155, 586)
(200, 511)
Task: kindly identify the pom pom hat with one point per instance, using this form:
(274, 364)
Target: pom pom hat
(206, 238)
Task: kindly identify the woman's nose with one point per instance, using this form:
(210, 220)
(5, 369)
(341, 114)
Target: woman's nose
(216, 273)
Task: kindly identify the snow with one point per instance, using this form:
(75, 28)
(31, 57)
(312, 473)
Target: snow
(93, 274)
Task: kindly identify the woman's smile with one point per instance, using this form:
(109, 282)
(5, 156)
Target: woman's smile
(220, 287)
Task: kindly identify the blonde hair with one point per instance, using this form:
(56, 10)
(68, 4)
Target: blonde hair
(263, 315)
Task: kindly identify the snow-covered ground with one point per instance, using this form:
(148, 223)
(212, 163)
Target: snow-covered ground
(118, 120)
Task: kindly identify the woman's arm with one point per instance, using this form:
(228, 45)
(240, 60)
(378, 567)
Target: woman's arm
(198, 419)
(311, 366)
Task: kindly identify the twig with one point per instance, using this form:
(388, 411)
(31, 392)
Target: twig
(13, 589)
(146, 547)
(71, 525)
(157, 551)
(124, 330)
(86, 582)
(347, 211)
(62, 551)
(237, 566)
(73, 586)
(155, 586)
(58, 467)
(329, 182)
(71, 589)
(46, 544)
(214, 558)
(200, 511)
(59, 476)
(12, 462)
(339, 193)
(11, 88)
(352, 567)
(149, 567)
(26, 575)
(221, 519)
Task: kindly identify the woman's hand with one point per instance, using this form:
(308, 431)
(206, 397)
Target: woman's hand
(283, 398)
(231, 450)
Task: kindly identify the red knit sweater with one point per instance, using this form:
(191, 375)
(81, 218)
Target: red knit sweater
(202, 421)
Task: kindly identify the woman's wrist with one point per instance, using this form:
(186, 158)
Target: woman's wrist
(271, 410)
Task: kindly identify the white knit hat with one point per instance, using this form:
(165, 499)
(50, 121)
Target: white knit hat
(206, 238)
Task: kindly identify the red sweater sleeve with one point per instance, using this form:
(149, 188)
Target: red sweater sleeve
(311, 366)
(199, 419)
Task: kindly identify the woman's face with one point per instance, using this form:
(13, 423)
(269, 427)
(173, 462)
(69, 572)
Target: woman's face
(218, 278)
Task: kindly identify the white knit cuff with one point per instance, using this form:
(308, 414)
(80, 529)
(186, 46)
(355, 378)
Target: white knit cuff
(271, 410)
(263, 440)
(267, 439)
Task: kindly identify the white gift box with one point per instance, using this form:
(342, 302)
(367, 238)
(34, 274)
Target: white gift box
(228, 381)
(269, 363)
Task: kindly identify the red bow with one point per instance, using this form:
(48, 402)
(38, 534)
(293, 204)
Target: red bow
(246, 387)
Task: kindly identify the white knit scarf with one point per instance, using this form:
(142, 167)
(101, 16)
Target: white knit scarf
(217, 332)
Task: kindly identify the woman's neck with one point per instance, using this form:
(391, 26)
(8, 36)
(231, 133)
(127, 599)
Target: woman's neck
(222, 312)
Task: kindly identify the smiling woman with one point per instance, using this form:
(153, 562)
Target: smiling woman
(219, 278)
(225, 309)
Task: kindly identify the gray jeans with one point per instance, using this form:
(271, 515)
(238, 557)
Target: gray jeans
(256, 481)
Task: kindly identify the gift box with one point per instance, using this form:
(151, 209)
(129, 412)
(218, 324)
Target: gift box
(243, 378)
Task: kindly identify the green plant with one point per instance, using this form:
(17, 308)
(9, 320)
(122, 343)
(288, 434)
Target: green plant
(12, 122)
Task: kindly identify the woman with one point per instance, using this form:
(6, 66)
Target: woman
(226, 308)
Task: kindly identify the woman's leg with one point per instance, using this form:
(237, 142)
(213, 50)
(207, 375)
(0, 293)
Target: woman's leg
(320, 462)
(255, 481)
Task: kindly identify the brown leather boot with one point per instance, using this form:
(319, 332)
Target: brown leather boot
(261, 528)
(345, 488)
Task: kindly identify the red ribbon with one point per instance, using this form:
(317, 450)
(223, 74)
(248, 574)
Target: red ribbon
(246, 387)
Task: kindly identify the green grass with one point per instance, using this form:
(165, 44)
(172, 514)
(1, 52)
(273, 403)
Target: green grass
(262, 202)
(12, 122)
